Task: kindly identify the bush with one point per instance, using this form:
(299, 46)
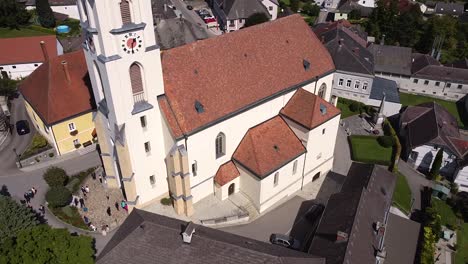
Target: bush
(166, 201)
(386, 141)
(58, 196)
(55, 177)
(354, 106)
(51, 155)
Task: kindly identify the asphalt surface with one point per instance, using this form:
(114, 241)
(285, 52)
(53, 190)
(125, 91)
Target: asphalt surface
(191, 16)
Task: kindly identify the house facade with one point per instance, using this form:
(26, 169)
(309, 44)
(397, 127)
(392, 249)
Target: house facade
(27, 55)
(67, 7)
(427, 128)
(167, 122)
(232, 14)
(59, 103)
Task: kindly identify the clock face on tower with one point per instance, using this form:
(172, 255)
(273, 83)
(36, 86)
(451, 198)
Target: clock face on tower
(131, 43)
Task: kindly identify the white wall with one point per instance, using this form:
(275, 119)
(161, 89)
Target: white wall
(222, 192)
(367, 3)
(272, 8)
(201, 146)
(17, 71)
(70, 10)
(424, 161)
(462, 179)
(390, 108)
(249, 185)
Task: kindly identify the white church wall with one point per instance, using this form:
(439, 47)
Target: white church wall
(249, 185)
(390, 108)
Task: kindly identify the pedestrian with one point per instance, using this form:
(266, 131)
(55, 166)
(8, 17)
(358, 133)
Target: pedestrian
(83, 191)
(104, 230)
(117, 206)
(109, 213)
(93, 175)
(100, 179)
(82, 204)
(86, 220)
(76, 201)
(87, 189)
(42, 209)
(34, 190)
(31, 193)
(27, 197)
(92, 227)
(126, 208)
(107, 196)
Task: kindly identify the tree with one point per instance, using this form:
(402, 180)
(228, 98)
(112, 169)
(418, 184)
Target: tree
(4, 191)
(43, 244)
(55, 177)
(311, 9)
(436, 164)
(45, 13)
(428, 249)
(294, 5)
(461, 204)
(7, 86)
(255, 19)
(13, 14)
(58, 196)
(355, 14)
(14, 217)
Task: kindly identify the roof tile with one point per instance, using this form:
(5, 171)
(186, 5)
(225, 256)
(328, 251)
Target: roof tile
(26, 49)
(226, 173)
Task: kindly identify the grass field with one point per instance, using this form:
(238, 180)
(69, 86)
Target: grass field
(461, 256)
(446, 213)
(345, 112)
(411, 99)
(402, 194)
(367, 149)
(23, 32)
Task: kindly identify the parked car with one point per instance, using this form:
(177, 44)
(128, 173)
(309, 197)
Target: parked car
(22, 127)
(285, 241)
(314, 212)
(209, 20)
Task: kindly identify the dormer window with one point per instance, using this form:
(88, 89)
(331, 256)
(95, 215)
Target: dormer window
(125, 12)
(199, 107)
(306, 64)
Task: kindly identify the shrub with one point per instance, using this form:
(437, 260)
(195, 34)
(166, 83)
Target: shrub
(55, 176)
(354, 106)
(58, 196)
(386, 141)
(51, 155)
(166, 201)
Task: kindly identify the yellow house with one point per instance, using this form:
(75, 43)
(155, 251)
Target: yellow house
(59, 102)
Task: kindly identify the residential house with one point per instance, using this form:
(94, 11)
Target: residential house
(231, 14)
(67, 7)
(21, 56)
(59, 102)
(424, 130)
(430, 77)
(452, 9)
(169, 122)
(357, 226)
(392, 62)
(175, 241)
(354, 77)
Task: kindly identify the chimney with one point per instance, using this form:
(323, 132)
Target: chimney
(341, 237)
(340, 41)
(65, 70)
(323, 39)
(188, 232)
(44, 51)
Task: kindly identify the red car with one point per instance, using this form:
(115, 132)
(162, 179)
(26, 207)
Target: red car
(209, 20)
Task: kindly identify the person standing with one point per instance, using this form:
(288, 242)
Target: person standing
(82, 204)
(83, 191)
(117, 206)
(109, 213)
(87, 189)
(27, 197)
(42, 209)
(76, 201)
(100, 179)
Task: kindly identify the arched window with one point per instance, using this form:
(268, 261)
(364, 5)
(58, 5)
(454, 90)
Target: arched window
(220, 145)
(136, 81)
(322, 91)
(125, 12)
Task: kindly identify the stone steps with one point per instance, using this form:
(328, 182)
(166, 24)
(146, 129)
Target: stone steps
(241, 201)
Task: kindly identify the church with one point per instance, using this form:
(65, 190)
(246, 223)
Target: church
(248, 111)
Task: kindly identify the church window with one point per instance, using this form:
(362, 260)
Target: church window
(295, 167)
(340, 82)
(125, 12)
(143, 121)
(364, 86)
(220, 145)
(348, 83)
(194, 168)
(322, 90)
(137, 83)
(275, 180)
(147, 147)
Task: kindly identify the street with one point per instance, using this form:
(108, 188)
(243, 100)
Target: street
(191, 16)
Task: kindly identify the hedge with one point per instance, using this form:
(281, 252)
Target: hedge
(55, 177)
(58, 197)
(390, 131)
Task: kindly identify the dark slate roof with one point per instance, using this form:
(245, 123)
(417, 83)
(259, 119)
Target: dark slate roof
(401, 240)
(430, 123)
(235, 9)
(454, 9)
(365, 198)
(146, 237)
(391, 59)
(425, 66)
(381, 86)
(70, 44)
(463, 63)
(349, 5)
(348, 50)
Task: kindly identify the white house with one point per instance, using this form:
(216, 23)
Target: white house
(169, 121)
(21, 56)
(427, 128)
(68, 7)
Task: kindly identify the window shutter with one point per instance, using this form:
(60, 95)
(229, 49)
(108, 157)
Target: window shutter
(135, 78)
(125, 12)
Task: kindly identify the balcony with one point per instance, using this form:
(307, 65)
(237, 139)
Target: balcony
(140, 103)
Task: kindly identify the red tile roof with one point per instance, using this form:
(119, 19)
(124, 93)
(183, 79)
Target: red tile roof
(170, 118)
(460, 144)
(267, 147)
(234, 71)
(304, 108)
(26, 49)
(226, 173)
(52, 96)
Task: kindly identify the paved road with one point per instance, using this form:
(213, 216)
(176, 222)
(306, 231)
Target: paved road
(18, 182)
(191, 16)
(416, 182)
(7, 156)
(342, 160)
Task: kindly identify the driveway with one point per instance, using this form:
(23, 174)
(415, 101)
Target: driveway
(191, 16)
(342, 160)
(416, 182)
(20, 143)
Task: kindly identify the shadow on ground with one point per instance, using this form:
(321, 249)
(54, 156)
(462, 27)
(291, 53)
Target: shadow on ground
(462, 108)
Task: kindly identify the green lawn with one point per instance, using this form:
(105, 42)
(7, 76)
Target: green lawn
(69, 215)
(367, 149)
(345, 112)
(402, 194)
(411, 99)
(23, 32)
(461, 256)
(446, 213)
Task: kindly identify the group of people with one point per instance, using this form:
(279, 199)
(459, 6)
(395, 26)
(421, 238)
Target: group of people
(30, 195)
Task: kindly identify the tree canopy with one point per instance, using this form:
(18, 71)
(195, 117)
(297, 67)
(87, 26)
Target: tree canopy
(7, 86)
(13, 14)
(43, 244)
(255, 19)
(45, 13)
(14, 217)
(435, 169)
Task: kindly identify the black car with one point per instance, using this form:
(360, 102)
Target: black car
(22, 127)
(285, 241)
(314, 212)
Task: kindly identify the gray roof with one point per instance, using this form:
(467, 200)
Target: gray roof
(401, 240)
(425, 66)
(454, 9)
(365, 198)
(348, 50)
(146, 237)
(235, 9)
(70, 44)
(349, 5)
(381, 86)
(391, 59)
(463, 63)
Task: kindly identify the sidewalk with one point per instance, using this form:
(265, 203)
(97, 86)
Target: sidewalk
(57, 160)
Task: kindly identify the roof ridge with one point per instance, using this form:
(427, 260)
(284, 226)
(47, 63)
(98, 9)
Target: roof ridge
(49, 94)
(356, 57)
